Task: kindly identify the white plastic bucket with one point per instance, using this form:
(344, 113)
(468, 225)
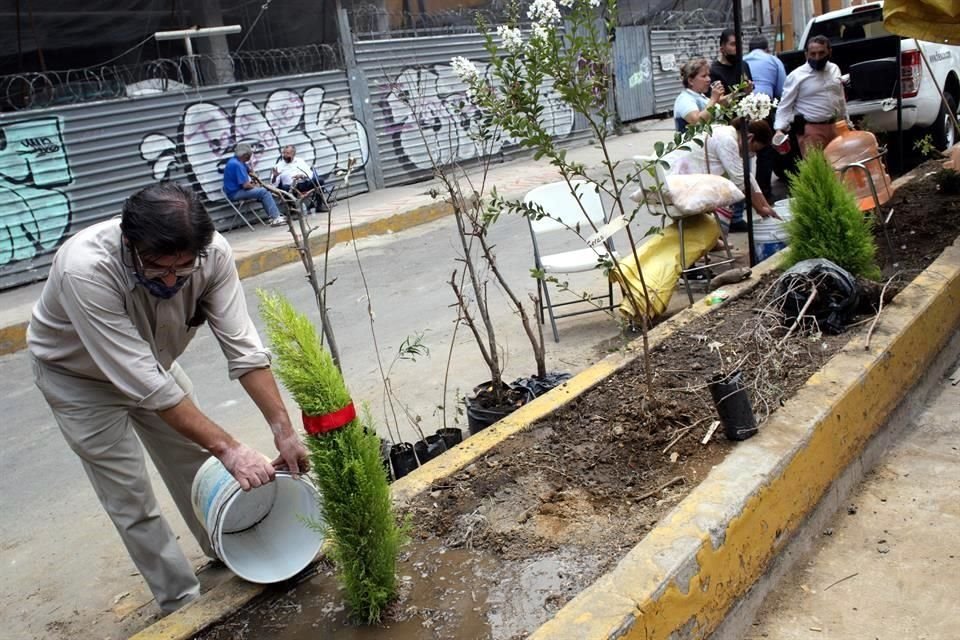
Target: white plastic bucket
(259, 534)
(770, 234)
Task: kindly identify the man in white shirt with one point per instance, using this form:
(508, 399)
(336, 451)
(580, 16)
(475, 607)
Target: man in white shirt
(813, 98)
(123, 300)
(292, 172)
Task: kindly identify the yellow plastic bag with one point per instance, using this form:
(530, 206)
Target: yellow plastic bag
(931, 20)
(660, 260)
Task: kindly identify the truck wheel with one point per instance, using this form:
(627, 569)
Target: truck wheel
(944, 134)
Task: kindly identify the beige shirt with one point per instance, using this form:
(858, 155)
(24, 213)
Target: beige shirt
(93, 320)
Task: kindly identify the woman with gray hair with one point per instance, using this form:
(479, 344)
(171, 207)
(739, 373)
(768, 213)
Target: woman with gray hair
(692, 105)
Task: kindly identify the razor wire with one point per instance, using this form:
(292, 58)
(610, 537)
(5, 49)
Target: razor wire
(37, 90)
(370, 22)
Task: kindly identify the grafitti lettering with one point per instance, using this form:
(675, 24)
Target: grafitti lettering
(431, 119)
(38, 146)
(324, 137)
(641, 75)
(696, 45)
(34, 215)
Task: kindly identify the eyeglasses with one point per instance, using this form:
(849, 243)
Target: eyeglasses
(154, 273)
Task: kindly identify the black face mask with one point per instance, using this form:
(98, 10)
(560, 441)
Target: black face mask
(818, 65)
(288, 160)
(158, 289)
(732, 58)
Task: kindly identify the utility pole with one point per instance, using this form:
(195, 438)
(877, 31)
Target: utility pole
(744, 144)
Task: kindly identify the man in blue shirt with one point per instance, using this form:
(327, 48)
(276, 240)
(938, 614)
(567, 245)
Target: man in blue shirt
(238, 185)
(768, 77)
(767, 70)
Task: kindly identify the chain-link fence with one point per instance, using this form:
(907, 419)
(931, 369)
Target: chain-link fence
(24, 91)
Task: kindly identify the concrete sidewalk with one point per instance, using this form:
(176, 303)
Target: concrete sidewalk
(375, 213)
(888, 565)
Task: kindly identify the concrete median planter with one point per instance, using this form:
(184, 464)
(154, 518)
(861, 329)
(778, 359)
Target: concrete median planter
(685, 575)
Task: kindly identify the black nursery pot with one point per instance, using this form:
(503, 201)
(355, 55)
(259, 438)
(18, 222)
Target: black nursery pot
(429, 449)
(733, 405)
(403, 459)
(479, 419)
(451, 436)
(385, 458)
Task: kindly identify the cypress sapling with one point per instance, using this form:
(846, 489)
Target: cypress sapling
(826, 221)
(359, 520)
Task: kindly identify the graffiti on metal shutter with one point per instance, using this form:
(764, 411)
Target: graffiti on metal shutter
(208, 135)
(34, 211)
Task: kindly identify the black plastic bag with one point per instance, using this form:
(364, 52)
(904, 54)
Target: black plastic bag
(837, 294)
(539, 386)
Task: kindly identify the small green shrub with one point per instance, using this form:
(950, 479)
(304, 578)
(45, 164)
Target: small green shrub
(358, 516)
(826, 221)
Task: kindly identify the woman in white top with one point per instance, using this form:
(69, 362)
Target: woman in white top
(721, 155)
(692, 105)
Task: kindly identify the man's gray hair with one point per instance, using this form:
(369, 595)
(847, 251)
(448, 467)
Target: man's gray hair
(291, 147)
(243, 149)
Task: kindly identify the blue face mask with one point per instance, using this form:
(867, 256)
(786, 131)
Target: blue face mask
(158, 289)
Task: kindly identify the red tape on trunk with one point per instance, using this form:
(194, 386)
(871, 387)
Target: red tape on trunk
(322, 424)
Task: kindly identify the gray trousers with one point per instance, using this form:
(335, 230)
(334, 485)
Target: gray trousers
(102, 425)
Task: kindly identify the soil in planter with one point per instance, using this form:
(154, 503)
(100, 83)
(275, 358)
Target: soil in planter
(924, 222)
(501, 546)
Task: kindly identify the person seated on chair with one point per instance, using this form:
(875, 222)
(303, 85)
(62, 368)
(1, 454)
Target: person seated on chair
(721, 155)
(294, 174)
(239, 184)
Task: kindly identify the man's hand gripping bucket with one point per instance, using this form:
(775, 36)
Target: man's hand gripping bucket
(262, 534)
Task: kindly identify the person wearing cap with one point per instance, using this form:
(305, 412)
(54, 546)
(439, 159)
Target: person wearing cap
(122, 302)
(813, 98)
(239, 185)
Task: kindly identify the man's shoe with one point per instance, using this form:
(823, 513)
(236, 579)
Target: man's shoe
(739, 227)
(279, 221)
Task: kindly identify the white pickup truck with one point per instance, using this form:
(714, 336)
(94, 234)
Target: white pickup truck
(875, 59)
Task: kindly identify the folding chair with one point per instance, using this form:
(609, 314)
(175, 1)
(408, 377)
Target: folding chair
(240, 206)
(876, 197)
(659, 203)
(322, 193)
(564, 212)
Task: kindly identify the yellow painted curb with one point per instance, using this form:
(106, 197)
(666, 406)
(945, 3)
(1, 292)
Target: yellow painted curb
(682, 579)
(14, 338)
(200, 614)
(268, 259)
(214, 605)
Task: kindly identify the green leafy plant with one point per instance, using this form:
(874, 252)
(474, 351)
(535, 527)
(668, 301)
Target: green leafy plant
(925, 147)
(826, 221)
(358, 518)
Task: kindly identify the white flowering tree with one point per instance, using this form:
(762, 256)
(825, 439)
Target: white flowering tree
(568, 49)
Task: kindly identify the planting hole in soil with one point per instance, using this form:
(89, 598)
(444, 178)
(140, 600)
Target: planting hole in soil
(502, 545)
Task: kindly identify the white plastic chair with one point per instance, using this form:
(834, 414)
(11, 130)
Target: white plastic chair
(240, 206)
(657, 197)
(564, 212)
